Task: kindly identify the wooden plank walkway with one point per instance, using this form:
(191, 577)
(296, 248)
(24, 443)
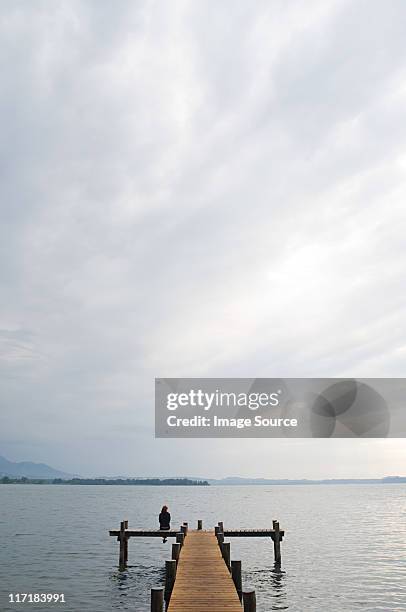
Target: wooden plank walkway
(203, 581)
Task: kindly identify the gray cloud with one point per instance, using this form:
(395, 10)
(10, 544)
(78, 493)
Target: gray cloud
(189, 191)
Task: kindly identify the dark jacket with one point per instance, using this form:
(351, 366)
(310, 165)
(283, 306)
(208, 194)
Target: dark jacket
(164, 520)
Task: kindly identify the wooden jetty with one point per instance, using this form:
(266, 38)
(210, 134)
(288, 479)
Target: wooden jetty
(201, 575)
(203, 580)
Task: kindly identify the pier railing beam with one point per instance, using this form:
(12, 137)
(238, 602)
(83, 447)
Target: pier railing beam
(249, 600)
(157, 599)
(236, 576)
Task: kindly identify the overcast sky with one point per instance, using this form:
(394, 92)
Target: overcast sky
(197, 189)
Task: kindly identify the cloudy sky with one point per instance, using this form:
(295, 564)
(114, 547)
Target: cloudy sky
(196, 189)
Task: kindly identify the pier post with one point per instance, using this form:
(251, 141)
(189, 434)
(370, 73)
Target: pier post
(180, 539)
(276, 542)
(170, 575)
(216, 530)
(125, 544)
(199, 525)
(236, 576)
(157, 599)
(187, 526)
(183, 529)
(225, 551)
(220, 538)
(125, 551)
(249, 600)
(175, 552)
(221, 526)
(122, 538)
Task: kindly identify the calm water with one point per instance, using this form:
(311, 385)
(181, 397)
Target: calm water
(345, 546)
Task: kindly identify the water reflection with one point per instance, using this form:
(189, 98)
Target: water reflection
(278, 586)
(129, 583)
(271, 586)
(121, 586)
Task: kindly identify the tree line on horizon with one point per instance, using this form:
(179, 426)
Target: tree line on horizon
(106, 481)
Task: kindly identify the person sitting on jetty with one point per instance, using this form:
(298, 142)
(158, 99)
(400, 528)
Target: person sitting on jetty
(164, 521)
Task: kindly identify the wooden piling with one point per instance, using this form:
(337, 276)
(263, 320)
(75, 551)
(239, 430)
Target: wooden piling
(157, 599)
(221, 526)
(216, 530)
(249, 600)
(183, 529)
(123, 553)
(125, 544)
(186, 525)
(225, 551)
(199, 524)
(125, 550)
(220, 538)
(276, 542)
(180, 539)
(236, 576)
(170, 575)
(175, 552)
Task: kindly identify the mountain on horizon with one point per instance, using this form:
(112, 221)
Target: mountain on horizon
(30, 470)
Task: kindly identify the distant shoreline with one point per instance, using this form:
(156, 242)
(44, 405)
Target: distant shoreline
(199, 483)
(167, 482)
(233, 481)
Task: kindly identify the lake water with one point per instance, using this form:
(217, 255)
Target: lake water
(344, 549)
